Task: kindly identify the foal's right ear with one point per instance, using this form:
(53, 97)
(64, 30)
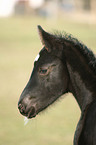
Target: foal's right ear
(47, 39)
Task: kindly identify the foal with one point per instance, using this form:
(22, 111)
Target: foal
(63, 65)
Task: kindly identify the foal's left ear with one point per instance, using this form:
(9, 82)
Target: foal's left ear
(48, 40)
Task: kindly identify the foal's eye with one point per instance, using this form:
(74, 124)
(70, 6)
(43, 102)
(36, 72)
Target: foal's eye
(43, 71)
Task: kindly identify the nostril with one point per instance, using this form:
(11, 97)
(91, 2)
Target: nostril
(21, 108)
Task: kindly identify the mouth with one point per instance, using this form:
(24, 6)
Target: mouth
(31, 112)
(28, 112)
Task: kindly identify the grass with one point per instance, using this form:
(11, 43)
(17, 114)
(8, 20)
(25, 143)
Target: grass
(19, 44)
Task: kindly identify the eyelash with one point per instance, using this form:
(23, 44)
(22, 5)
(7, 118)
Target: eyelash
(43, 71)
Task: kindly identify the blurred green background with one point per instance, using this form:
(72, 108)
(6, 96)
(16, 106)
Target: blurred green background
(19, 45)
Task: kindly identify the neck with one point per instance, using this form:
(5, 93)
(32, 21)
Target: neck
(81, 78)
(79, 89)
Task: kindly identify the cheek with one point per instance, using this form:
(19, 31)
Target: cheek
(60, 79)
(57, 80)
(53, 80)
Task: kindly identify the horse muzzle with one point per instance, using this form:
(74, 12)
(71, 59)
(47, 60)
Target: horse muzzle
(27, 107)
(29, 112)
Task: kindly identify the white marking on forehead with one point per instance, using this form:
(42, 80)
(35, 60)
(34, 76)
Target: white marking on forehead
(37, 57)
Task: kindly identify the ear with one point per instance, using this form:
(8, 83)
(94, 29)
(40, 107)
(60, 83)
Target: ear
(48, 40)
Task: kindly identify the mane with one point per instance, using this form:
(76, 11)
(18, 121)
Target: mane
(82, 48)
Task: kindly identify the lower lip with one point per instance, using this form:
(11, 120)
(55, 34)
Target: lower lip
(31, 116)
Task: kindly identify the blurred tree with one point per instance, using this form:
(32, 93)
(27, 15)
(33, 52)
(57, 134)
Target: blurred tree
(87, 5)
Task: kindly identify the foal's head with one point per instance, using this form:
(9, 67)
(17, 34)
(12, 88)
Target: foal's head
(49, 78)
